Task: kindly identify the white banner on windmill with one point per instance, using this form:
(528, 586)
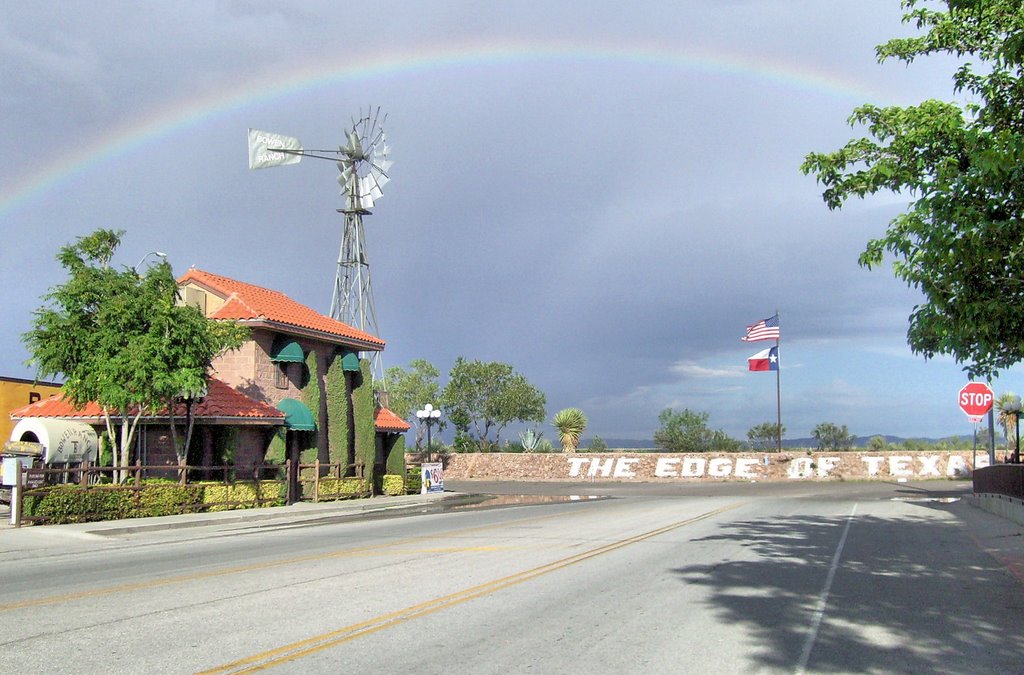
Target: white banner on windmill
(264, 147)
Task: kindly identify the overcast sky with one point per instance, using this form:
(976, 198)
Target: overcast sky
(602, 194)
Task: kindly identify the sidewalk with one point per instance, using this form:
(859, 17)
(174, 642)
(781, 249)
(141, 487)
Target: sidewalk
(298, 512)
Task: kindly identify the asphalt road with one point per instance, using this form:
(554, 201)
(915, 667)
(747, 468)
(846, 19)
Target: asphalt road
(727, 577)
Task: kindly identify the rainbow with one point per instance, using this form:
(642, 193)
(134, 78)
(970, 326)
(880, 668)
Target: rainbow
(186, 114)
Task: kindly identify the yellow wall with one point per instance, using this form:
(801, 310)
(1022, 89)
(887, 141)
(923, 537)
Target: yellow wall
(14, 394)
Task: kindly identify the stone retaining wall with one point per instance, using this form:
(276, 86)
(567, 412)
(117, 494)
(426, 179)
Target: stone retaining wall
(625, 466)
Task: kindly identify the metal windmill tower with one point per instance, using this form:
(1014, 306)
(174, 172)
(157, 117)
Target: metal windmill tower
(363, 164)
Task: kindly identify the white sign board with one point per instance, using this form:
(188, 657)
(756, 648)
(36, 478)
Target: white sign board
(10, 468)
(264, 147)
(432, 476)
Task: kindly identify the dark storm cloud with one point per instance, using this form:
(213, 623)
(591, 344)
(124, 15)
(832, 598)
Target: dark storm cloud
(607, 225)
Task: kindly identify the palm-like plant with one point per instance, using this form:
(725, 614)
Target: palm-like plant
(570, 422)
(1008, 417)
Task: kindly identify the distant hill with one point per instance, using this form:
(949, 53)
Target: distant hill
(858, 442)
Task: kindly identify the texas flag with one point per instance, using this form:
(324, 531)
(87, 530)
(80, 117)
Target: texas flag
(766, 359)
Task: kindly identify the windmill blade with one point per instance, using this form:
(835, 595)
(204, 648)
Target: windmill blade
(377, 181)
(345, 176)
(377, 138)
(368, 188)
(366, 202)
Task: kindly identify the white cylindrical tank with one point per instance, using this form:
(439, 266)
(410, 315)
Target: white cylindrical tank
(66, 442)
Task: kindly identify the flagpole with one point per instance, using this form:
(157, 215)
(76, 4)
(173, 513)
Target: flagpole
(778, 387)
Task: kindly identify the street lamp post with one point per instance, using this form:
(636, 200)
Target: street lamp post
(429, 416)
(158, 254)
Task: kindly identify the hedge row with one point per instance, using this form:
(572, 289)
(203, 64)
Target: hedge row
(160, 497)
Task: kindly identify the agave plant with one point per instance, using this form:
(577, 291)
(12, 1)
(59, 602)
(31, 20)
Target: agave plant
(530, 439)
(570, 423)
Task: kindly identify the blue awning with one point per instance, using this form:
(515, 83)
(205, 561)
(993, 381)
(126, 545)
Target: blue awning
(297, 415)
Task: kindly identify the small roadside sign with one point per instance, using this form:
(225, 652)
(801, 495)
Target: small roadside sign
(432, 477)
(34, 478)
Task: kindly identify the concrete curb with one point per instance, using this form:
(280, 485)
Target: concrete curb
(301, 511)
(1004, 506)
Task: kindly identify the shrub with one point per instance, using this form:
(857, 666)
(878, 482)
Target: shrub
(74, 504)
(393, 485)
(413, 481)
(341, 488)
(545, 446)
(163, 497)
(243, 494)
(688, 431)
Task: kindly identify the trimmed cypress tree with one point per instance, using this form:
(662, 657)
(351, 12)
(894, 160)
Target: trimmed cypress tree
(363, 413)
(312, 397)
(395, 454)
(337, 411)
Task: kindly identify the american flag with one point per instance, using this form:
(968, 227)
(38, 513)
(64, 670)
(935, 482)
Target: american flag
(766, 329)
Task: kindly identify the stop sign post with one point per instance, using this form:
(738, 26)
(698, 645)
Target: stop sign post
(975, 400)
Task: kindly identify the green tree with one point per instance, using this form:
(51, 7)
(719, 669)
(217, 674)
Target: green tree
(571, 423)
(409, 390)
(120, 338)
(877, 443)
(688, 431)
(481, 398)
(191, 342)
(961, 240)
(831, 437)
(765, 437)
(914, 445)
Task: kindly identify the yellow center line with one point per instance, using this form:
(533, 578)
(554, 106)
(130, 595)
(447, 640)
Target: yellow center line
(241, 569)
(317, 643)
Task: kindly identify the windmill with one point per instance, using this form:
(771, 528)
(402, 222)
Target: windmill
(363, 165)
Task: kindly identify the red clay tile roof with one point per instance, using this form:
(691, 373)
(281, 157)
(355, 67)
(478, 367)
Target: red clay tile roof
(221, 402)
(246, 302)
(389, 421)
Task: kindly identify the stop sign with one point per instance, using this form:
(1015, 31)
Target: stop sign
(975, 399)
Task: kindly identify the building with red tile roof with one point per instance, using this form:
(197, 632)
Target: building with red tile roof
(221, 416)
(220, 405)
(223, 298)
(385, 420)
(259, 395)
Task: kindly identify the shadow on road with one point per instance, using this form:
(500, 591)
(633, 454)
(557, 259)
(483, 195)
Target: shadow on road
(910, 594)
